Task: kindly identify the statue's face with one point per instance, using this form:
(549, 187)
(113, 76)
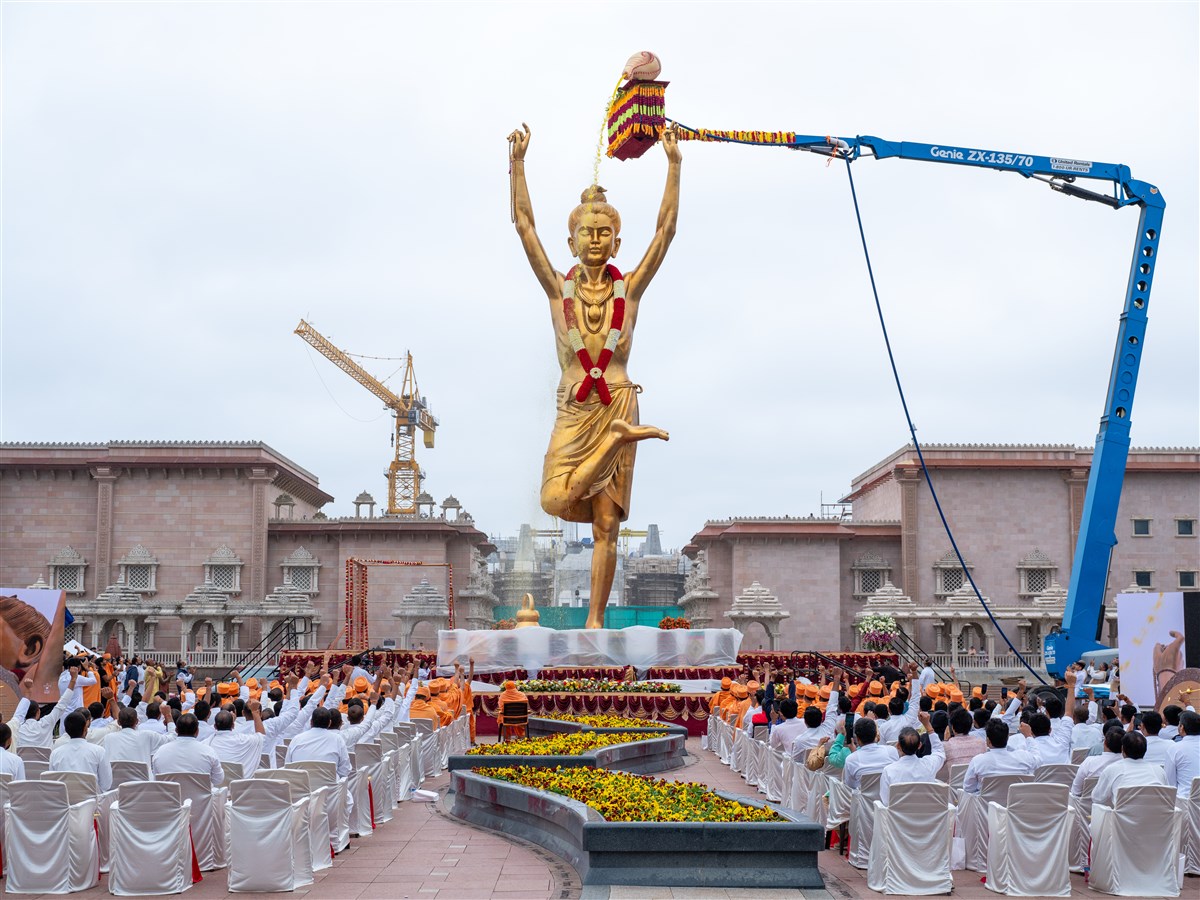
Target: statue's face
(595, 240)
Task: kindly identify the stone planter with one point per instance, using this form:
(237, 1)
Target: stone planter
(539, 727)
(640, 758)
(680, 854)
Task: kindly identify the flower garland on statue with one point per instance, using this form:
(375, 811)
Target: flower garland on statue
(594, 371)
(877, 630)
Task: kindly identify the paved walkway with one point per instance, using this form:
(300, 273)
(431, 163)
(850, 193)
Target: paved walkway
(425, 854)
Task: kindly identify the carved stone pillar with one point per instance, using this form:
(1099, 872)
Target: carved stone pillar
(909, 479)
(260, 479)
(1076, 480)
(151, 625)
(105, 477)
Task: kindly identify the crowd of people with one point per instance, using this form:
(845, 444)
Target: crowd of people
(917, 728)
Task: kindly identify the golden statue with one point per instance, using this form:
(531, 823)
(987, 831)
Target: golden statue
(588, 472)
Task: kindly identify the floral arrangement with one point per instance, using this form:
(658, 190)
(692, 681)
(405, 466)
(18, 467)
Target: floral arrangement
(558, 744)
(672, 622)
(595, 686)
(877, 630)
(504, 625)
(621, 797)
(602, 721)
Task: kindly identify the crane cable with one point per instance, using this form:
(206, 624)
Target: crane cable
(913, 431)
(350, 415)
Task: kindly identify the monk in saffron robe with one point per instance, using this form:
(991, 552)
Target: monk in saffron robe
(421, 708)
(510, 695)
(741, 703)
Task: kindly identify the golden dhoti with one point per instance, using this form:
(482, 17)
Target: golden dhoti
(580, 430)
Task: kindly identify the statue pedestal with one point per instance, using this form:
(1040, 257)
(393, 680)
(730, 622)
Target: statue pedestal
(537, 648)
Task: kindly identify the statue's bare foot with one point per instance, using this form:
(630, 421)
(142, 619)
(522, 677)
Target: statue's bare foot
(593, 622)
(629, 433)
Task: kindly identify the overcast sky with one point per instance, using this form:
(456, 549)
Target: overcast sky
(182, 182)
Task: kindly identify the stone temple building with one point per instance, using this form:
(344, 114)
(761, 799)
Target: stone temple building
(196, 549)
(800, 583)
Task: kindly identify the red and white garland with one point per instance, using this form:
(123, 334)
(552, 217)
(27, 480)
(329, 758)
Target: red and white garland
(594, 371)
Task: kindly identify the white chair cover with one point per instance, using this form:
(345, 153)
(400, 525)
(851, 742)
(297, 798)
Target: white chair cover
(389, 743)
(151, 845)
(958, 774)
(82, 786)
(1027, 844)
(818, 784)
(233, 772)
(774, 775)
(767, 767)
(404, 773)
(210, 831)
(5, 780)
(422, 726)
(753, 765)
(789, 777)
(34, 754)
(841, 800)
(337, 806)
(383, 791)
(1055, 773)
(315, 854)
(262, 820)
(34, 769)
(862, 820)
(801, 783)
(444, 736)
(1081, 826)
(362, 787)
(1079, 754)
(737, 757)
(415, 760)
(431, 756)
(1190, 830)
(724, 742)
(973, 816)
(50, 844)
(406, 730)
(1135, 843)
(910, 849)
(126, 770)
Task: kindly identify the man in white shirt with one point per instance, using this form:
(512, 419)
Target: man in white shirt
(1171, 714)
(1131, 770)
(1187, 753)
(320, 744)
(34, 729)
(910, 767)
(131, 743)
(72, 690)
(203, 713)
(188, 754)
(818, 723)
(1164, 753)
(242, 748)
(927, 677)
(871, 756)
(1094, 765)
(783, 733)
(80, 755)
(898, 718)
(155, 722)
(998, 760)
(1043, 746)
(1087, 734)
(10, 764)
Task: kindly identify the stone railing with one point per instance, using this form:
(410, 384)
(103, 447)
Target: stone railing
(199, 659)
(964, 663)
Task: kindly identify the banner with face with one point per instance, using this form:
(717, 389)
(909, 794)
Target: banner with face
(31, 640)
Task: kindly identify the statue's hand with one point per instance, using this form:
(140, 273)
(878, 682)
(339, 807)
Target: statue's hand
(519, 142)
(670, 142)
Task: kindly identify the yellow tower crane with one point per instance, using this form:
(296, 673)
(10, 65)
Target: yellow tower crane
(409, 409)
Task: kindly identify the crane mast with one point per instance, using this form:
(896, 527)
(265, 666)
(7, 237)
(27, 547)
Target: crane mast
(409, 409)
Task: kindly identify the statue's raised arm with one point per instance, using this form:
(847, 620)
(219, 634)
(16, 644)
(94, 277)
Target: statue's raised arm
(668, 215)
(547, 276)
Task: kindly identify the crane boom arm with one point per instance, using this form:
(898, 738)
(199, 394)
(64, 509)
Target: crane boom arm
(1083, 616)
(350, 367)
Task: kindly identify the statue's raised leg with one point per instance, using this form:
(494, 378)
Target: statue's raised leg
(620, 433)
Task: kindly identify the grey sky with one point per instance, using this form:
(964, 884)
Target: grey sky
(183, 182)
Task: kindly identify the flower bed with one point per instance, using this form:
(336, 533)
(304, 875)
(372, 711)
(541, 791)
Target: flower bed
(596, 686)
(774, 849)
(621, 797)
(603, 721)
(558, 744)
